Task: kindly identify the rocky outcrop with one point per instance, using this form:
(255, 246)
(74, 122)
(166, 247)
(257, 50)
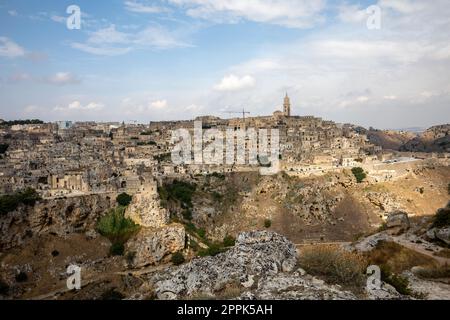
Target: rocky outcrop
(145, 209)
(397, 222)
(157, 239)
(384, 292)
(442, 234)
(262, 264)
(385, 202)
(369, 243)
(57, 216)
(151, 246)
(255, 253)
(295, 286)
(431, 290)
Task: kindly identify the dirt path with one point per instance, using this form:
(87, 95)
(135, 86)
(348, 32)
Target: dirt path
(93, 278)
(420, 249)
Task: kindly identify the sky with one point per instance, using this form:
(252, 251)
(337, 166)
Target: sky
(142, 60)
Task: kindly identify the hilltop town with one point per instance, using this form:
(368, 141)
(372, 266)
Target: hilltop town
(337, 183)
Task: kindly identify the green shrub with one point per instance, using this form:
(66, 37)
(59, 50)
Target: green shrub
(124, 199)
(359, 174)
(442, 218)
(117, 229)
(212, 250)
(187, 214)
(21, 122)
(201, 233)
(267, 223)
(117, 249)
(194, 245)
(178, 191)
(400, 283)
(177, 258)
(217, 175)
(10, 202)
(115, 226)
(229, 241)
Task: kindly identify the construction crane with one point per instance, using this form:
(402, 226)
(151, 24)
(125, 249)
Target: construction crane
(243, 113)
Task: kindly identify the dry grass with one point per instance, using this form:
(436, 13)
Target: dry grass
(229, 292)
(434, 272)
(334, 263)
(445, 253)
(397, 258)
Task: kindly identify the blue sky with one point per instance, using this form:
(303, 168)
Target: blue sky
(176, 59)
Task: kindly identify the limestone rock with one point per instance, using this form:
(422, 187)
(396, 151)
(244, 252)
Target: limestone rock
(384, 201)
(60, 216)
(145, 208)
(431, 290)
(370, 242)
(397, 222)
(150, 246)
(384, 292)
(294, 287)
(442, 234)
(255, 253)
(431, 234)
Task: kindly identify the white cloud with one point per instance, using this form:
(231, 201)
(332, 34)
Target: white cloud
(289, 13)
(159, 104)
(58, 19)
(101, 51)
(111, 42)
(62, 78)
(10, 49)
(78, 106)
(134, 6)
(234, 83)
(12, 13)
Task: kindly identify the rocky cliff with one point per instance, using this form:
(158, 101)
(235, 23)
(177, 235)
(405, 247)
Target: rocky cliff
(56, 216)
(262, 265)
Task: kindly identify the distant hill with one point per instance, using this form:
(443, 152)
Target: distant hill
(434, 139)
(388, 139)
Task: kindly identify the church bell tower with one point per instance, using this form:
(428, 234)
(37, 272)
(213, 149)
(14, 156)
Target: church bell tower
(287, 106)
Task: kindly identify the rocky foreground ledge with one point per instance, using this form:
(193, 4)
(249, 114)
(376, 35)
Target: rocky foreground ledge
(262, 265)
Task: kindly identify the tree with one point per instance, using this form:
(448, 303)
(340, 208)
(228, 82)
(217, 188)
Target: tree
(359, 174)
(117, 229)
(10, 202)
(177, 258)
(124, 199)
